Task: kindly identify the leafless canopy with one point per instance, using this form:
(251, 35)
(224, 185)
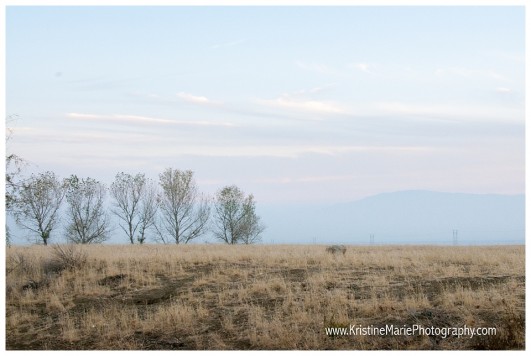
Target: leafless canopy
(236, 220)
(184, 211)
(88, 220)
(38, 204)
(14, 166)
(135, 204)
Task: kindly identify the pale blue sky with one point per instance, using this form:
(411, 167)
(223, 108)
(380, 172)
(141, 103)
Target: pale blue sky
(293, 104)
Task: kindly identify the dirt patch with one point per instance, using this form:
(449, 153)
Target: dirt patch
(295, 274)
(172, 288)
(473, 283)
(35, 285)
(112, 281)
(153, 341)
(150, 296)
(433, 288)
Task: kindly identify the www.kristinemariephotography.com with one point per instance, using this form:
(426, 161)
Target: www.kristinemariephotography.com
(233, 177)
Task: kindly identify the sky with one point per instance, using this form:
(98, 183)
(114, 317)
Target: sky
(292, 104)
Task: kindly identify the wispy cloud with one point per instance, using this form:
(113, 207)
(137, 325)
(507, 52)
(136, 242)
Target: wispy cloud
(448, 112)
(303, 105)
(172, 99)
(135, 119)
(304, 101)
(146, 146)
(503, 90)
(287, 151)
(197, 100)
(38, 135)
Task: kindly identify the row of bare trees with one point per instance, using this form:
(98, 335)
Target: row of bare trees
(174, 211)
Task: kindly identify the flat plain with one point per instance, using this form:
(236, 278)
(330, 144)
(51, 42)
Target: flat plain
(260, 297)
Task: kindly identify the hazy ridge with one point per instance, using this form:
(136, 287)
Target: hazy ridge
(402, 217)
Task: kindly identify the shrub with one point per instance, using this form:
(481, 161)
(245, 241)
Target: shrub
(66, 257)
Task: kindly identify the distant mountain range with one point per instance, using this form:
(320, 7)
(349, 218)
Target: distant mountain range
(406, 217)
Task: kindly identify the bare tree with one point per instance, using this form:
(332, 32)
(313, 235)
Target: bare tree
(251, 225)
(14, 166)
(40, 198)
(236, 220)
(135, 204)
(184, 211)
(149, 204)
(126, 191)
(88, 220)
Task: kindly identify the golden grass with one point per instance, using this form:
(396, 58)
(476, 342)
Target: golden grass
(260, 297)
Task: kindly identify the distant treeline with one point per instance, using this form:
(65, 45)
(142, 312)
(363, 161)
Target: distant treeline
(172, 210)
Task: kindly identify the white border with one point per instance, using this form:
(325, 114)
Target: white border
(254, 3)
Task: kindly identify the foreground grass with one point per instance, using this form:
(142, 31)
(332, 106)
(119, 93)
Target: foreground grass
(194, 297)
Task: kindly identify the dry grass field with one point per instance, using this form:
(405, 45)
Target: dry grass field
(217, 297)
